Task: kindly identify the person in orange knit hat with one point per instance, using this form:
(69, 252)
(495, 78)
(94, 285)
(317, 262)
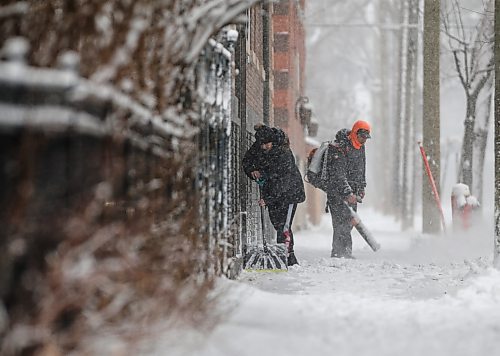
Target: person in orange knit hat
(346, 181)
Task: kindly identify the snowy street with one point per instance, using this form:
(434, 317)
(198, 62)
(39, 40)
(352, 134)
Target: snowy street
(152, 151)
(431, 295)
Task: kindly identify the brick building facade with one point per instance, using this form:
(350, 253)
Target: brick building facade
(272, 71)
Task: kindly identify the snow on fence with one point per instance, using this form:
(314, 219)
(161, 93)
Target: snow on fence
(219, 164)
(229, 198)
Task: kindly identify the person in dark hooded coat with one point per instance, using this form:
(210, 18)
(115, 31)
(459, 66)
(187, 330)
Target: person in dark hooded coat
(271, 163)
(346, 182)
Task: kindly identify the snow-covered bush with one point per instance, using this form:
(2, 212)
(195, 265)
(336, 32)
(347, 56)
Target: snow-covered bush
(113, 243)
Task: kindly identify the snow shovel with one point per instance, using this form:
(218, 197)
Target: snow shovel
(363, 231)
(269, 257)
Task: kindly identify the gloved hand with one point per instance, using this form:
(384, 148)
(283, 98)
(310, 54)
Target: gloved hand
(351, 199)
(261, 181)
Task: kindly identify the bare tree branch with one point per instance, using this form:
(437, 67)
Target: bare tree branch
(459, 71)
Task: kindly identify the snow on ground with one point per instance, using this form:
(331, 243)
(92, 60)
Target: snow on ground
(432, 295)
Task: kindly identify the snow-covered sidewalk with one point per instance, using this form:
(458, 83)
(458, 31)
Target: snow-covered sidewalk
(417, 295)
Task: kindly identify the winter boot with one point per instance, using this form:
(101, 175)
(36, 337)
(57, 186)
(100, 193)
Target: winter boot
(292, 260)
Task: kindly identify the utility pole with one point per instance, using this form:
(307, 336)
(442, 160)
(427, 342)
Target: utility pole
(431, 119)
(497, 135)
(266, 61)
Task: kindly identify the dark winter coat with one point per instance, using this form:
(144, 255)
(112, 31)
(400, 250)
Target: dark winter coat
(283, 181)
(254, 160)
(345, 167)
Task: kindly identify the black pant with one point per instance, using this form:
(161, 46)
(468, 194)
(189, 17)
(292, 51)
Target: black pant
(278, 215)
(341, 222)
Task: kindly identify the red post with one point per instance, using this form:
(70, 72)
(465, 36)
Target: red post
(432, 183)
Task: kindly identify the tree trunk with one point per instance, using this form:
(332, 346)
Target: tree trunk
(466, 159)
(481, 137)
(397, 177)
(383, 169)
(431, 124)
(402, 143)
(409, 137)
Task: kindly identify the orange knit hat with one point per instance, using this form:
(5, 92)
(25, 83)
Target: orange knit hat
(353, 136)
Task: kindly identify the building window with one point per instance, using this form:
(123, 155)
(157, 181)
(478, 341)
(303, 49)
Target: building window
(281, 42)
(281, 7)
(281, 79)
(280, 117)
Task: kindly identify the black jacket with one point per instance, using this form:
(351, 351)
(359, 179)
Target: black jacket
(345, 167)
(283, 181)
(254, 160)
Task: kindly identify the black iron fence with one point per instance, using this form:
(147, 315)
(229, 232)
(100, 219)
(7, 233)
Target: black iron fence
(253, 221)
(230, 199)
(219, 167)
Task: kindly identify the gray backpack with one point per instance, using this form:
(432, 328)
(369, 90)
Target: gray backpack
(316, 173)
